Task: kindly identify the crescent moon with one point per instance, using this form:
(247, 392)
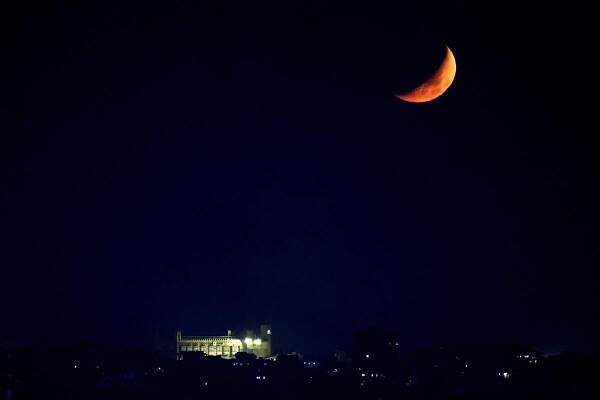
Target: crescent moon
(436, 85)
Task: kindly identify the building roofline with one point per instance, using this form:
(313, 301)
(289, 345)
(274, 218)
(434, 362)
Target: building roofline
(209, 337)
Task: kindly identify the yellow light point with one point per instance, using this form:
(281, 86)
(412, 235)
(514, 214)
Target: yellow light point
(257, 342)
(248, 341)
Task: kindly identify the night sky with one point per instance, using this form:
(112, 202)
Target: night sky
(205, 165)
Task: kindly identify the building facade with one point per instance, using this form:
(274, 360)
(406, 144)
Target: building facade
(227, 346)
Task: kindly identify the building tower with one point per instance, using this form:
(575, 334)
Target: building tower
(266, 337)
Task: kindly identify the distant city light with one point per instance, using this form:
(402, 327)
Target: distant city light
(248, 341)
(268, 331)
(367, 355)
(504, 374)
(257, 341)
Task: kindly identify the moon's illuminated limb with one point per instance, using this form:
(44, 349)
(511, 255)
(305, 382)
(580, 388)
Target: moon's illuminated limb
(435, 86)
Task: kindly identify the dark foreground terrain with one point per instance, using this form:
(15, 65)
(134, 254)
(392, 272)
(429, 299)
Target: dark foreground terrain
(374, 372)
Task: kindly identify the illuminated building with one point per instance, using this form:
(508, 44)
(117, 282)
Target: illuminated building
(227, 346)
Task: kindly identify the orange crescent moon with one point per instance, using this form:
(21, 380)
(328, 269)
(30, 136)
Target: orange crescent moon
(435, 86)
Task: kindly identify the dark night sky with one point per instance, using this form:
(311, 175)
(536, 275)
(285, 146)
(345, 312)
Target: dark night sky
(205, 165)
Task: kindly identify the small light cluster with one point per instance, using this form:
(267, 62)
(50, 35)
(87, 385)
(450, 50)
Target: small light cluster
(240, 364)
(372, 375)
(530, 358)
(504, 374)
(249, 341)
